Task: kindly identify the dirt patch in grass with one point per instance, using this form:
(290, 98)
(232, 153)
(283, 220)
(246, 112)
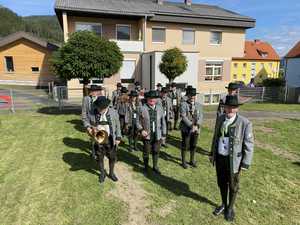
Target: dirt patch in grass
(130, 191)
(167, 209)
(266, 129)
(278, 151)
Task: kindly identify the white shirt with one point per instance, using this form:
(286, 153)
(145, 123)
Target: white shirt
(104, 127)
(223, 146)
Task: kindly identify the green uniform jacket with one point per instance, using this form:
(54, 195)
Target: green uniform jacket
(241, 143)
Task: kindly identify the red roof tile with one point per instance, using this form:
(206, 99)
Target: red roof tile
(259, 50)
(294, 52)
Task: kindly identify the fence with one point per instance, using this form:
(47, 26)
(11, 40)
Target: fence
(264, 94)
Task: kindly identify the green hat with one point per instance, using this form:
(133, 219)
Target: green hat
(173, 84)
(119, 84)
(188, 87)
(133, 93)
(165, 90)
(232, 100)
(233, 86)
(151, 94)
(191, 92)
(101, 102)
(159, 85)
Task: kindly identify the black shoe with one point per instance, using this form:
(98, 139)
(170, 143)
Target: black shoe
(102, 178)
(156, 170)
(113, 177)
(219, 210)
(184, 165)
(193, 164)
(130, 149)
(164, 145)
(229, 215)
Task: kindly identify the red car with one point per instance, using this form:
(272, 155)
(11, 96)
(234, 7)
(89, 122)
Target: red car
(5, 101)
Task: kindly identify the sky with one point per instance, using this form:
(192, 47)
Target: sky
(277, 21)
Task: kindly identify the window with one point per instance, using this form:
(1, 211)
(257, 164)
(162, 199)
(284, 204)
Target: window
(244, 76)
(253, 74)
(253, 66)
(95, 27)
(9, 63)
(235, 65)
(244, 65)
(127, 71)
(35, 69)
(158, 34)
(215, 98)
(188, 36)
(235, 76)
(270, 65)
(216, 37)
(123, 32)
(214, 70)
(262, 66)
(206, 99)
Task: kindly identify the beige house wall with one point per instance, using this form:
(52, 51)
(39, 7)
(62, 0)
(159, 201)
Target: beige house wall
(25, 55)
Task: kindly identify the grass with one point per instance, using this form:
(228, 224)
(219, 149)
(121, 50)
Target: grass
(269, 107)
(47, 177)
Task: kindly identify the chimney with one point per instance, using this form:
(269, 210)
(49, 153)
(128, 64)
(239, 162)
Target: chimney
(160, 2)
(188, 2)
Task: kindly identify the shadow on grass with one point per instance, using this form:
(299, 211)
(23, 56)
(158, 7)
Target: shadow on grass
(176, 142)
(83, 145)
(177, 187)
(77, 124)
(80, 161)
(296, 163)
(53, 110)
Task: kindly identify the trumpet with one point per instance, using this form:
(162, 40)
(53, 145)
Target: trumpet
(100, 136)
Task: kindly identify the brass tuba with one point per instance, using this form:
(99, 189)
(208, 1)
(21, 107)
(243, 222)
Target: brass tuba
(101, 136)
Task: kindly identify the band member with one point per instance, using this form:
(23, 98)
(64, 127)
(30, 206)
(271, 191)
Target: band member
(132, 109)
(106, 119)
(152, 126)
(166, 103)
(159, 87)
(232, 151)
(116, 94)
(233, 89)
(184, 98)
(122, 100)
(191, 119)
(87, 108)
(138, 86)
(175, 95)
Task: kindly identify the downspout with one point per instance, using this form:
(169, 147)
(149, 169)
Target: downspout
(144, 46)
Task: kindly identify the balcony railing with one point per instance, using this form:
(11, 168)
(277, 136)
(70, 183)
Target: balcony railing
(130, 46)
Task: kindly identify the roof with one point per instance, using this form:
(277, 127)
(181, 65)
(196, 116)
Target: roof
(259, 50)
(19, 35)
(166, 12)
(294, 52)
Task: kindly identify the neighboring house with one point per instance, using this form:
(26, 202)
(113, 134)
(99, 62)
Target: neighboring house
(292, 73)
(208, 35)
(24, 60)
(259, 58)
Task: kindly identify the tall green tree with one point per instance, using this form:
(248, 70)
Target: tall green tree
(173, 64)
(86, 56)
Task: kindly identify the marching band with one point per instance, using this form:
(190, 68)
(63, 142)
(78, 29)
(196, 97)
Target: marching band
(149, 116)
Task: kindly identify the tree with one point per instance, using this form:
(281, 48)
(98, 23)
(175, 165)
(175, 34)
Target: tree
(173, 64)
(87, 56)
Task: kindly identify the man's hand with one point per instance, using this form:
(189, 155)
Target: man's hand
(90, 131)
(195, 129)
(144, 133)
(117, 142)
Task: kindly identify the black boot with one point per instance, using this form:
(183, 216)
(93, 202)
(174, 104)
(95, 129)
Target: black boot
(184, 165)
(229, 215)
(146, 164)
(155, 162)
(102, 171)
(219, 210)
(192, 159)
(112, 174)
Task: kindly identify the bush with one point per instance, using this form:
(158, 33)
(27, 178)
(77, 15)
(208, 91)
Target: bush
(273, 82)
(173, 64)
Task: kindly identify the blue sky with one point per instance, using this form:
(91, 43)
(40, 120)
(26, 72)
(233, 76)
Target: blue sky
(277, 20)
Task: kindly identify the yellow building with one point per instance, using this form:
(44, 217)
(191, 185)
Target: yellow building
(259, 59)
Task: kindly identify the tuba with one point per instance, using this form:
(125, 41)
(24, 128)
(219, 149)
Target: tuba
(101, 136)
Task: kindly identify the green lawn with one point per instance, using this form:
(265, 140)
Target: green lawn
(47, 177)
(269, 107)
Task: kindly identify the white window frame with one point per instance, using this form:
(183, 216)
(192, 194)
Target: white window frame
(213, 69)
(216, 44)
(158, 27)
(210, 95)
(90, 23)
(124, 25)
(189, 29)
